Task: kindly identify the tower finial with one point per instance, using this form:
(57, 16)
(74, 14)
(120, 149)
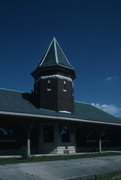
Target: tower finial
(54, 39)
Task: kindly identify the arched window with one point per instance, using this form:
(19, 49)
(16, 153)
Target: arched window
(65, 133)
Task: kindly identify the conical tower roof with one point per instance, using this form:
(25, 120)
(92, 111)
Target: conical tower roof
(54, 59)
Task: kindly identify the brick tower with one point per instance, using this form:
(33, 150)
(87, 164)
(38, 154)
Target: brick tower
(54, 77)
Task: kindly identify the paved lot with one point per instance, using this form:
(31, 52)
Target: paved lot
(60, 170)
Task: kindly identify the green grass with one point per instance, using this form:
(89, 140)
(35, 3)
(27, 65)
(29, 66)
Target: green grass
(53, 158)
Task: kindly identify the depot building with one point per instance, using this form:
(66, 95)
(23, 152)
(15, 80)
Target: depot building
(48, 120)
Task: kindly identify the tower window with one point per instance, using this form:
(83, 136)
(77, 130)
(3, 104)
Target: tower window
(48, 86)
(64, 87)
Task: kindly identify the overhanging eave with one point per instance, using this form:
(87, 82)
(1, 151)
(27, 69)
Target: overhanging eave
(41, 116)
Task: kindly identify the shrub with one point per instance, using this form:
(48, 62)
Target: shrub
(23, 152)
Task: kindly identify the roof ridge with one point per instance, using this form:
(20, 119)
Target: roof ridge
(64, 54)
(55, 47)
(42, 60)
(11, 90)
(81, 102)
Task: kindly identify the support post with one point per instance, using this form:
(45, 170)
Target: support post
(100, 144)
(28, 143)
(99, 130)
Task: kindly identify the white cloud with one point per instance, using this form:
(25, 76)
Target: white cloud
(109, 108)
(111, 78)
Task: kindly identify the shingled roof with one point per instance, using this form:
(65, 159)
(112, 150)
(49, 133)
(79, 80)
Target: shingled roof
(54, 58)
(22, 104)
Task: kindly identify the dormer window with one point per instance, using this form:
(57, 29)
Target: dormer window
(64, 87)
(48, 85)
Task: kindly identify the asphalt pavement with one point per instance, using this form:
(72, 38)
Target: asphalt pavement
(61, 170)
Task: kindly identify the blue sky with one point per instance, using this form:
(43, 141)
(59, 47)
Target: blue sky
(89, 32)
